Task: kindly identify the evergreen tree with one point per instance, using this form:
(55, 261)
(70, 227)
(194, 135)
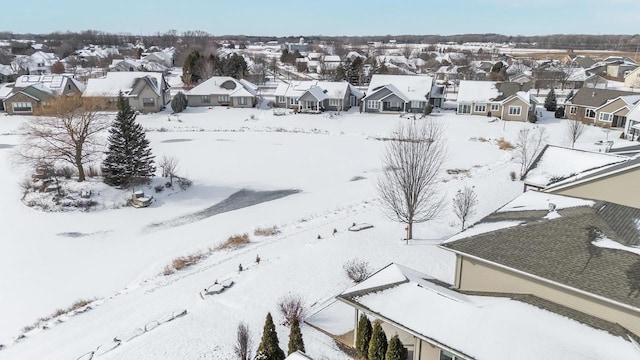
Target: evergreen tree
(269, 348)
(570, 95)
(129, 159)
(179, 102)
(191, 68)
(396, 351)
(295, 337)
(363, 336)
(550, 102)
(378, 343)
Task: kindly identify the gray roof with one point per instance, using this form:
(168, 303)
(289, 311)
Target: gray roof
(596, 97)
(561, 250)
(508, 89)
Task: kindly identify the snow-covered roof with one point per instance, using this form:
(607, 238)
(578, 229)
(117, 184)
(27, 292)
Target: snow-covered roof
(298, 356)
(453, 320)
(5, 90)
(6, 70)
(331, 89)
(555, 164)
(54, 84)
(412, 87)
(476, 91)
(124, 81)
(224, 85)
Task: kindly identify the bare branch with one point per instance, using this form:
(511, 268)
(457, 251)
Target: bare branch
(574, 130)
(464, 204)
(411, 167)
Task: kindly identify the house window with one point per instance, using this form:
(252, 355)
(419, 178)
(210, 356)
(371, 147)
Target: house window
(480, 108)
(590, 113)
(293, 101)
(445, 355)
(334, 102)
(572, 110)
(223, 99)
(148, 102)
(205, 99)
(22, 107)
(242, 101)
(495, 107)
(281, 99)
(373, 104)
(417, 104)
(605, 116)
(515, 110)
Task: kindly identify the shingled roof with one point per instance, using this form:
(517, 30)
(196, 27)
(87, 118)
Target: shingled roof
(564, 248)
(596, 97)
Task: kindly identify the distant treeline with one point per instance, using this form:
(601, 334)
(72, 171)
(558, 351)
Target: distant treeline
(171, 37)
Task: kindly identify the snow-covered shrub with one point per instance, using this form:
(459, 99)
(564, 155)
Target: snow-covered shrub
(292, 307)
(357, 270)
(158, 188)
(184, 183)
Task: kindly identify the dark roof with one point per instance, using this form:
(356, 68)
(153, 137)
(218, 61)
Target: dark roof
(596, 97)
(584, 61)
(508, 89)
(561, 250)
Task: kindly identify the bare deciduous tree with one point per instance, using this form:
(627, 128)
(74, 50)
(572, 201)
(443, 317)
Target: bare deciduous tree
(169, 167)
(292, 306)
(464, 203)
(528, 146)
(575, 129)
(68, 130)
(243, 345)
(411, 166)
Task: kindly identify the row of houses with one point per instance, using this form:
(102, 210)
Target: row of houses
(552, 274)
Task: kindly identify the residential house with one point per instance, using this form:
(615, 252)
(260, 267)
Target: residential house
(41, 62)
(595, 82)
(315, 96)
(438, 321)
(559, 165)
(398, 93)
(614, 66)
(601, 107)
(632, 79)
(632, 127)
(5, 90)
(144, 91)
(620, 70)
(223, 91)
(573, 256)
(164, 58)
(450, 73)
(506, 100)
(7, 74)
(30, 92)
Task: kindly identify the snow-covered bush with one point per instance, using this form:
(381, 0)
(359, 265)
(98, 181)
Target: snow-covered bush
(357, 270)
(292, 307)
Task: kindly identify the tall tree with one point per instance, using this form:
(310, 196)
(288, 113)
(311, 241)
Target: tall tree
(363, 336)
(242, 347)
(574, 130)
(528, 146)
(69, 130)
(464, 203)
(295, 337)
(269, 348)
(129, 159)
(550, 102)
(378, 343)
(395, 350)
(410, 169)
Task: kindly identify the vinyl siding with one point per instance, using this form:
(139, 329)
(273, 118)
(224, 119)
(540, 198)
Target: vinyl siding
(614, 188)
(478, 276)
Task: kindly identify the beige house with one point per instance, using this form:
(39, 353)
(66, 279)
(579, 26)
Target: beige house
(609, 184)
(507, 100)
(145, 91)
(632, 79)
(601, 107)
(579, 256)
(30, 92)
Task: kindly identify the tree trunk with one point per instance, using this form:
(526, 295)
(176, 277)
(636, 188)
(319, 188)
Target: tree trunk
(410, 231)
(79, 164)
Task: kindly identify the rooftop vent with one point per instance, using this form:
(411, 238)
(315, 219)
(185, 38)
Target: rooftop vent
(552, 207)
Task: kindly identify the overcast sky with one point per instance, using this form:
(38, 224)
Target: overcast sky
(325, 17)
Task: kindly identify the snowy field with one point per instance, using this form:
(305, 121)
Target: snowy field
(119, 255)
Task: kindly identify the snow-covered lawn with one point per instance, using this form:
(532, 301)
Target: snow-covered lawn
(333, 161)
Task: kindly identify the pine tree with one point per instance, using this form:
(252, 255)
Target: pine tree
(569, 95)
(179, 102)
(269, 348)
(378, 343)
(129, 159)
(295, 337)
(550, 102)
(363, 336)
(396, 351)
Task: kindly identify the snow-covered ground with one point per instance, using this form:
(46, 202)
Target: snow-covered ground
(120, 256)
